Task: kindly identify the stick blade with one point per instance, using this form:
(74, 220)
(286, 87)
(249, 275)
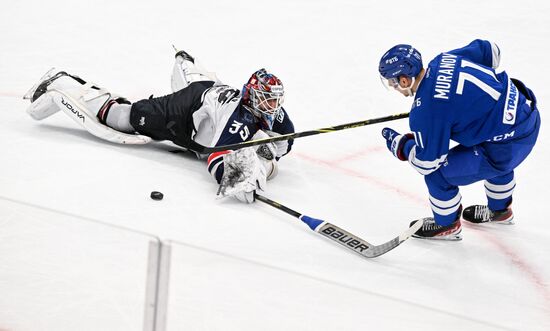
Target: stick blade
(361, 246)
(381, 249)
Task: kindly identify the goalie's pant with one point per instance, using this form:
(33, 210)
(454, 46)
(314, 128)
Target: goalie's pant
(169, 117)
(491, 161)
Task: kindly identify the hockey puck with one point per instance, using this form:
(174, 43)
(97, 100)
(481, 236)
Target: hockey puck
(155, 195)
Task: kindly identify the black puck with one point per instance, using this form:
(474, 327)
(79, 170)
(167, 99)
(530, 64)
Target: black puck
(155, 195)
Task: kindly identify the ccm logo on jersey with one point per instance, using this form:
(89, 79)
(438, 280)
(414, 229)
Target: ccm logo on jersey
(502, 137)
(74, 111)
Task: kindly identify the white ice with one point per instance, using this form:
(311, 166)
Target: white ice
(252, 267)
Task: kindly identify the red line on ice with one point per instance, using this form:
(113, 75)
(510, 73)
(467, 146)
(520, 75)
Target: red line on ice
(373, 180)
(537, 280)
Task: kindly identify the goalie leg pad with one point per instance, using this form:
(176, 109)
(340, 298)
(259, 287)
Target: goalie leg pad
(86, 93)
(187, 70)
(42, 107)
(89, 121)
(82, 101)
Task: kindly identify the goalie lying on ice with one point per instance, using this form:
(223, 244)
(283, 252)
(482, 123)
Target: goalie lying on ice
(200, 110)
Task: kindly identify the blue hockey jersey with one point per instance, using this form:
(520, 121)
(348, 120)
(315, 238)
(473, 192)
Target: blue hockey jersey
(462, 98)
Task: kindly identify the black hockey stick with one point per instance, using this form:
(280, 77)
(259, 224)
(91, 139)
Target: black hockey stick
(207, 150)
(343, 237)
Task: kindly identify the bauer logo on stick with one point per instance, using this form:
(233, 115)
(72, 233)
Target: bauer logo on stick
(343, 238)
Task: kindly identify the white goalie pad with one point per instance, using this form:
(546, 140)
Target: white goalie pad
(186, 72)
(89, 121)
(41, 108)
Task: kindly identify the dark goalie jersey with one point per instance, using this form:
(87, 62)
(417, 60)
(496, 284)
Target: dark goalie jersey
(211, 115)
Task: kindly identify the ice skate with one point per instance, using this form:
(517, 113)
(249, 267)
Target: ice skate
(184, 55)
(188, 70)
(41, 86)
(41, 102)
(482, 214)
(431, 230)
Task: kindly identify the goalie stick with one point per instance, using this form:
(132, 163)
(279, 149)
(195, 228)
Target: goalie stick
(341, 236)
(201, 149)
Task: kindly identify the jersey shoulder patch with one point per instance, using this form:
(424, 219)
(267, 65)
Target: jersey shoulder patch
(223, 94)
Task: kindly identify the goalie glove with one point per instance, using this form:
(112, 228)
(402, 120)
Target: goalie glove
(244, 173)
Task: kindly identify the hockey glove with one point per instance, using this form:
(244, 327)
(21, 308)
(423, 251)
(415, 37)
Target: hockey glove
(281, 145)
(267, 151)
(244, 173)
(399, 145)
(268, 154)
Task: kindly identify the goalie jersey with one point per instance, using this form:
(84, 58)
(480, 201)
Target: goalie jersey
(462, 98)
(208, 114)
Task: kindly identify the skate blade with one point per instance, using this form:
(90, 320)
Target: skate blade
(504, 222)
(47, 75)
(509, 221)
(450, 237)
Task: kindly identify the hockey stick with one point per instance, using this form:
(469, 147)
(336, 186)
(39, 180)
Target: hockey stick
(201, 149)
(343, 237)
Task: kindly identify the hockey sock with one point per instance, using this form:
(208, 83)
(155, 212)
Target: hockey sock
(116, 115)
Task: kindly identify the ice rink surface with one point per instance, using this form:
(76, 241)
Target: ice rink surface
(252, 267)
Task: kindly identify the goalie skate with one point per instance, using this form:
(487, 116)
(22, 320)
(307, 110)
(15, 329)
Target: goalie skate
(43, 83)
(40, 108)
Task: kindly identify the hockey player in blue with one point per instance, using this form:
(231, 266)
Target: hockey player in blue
(459, 97)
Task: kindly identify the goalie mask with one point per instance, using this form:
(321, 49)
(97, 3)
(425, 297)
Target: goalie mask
(263, 96)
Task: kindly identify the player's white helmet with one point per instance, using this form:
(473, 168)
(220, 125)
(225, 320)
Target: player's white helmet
(263, 95)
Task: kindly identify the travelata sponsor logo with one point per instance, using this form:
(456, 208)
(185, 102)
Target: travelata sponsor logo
(510, 104)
